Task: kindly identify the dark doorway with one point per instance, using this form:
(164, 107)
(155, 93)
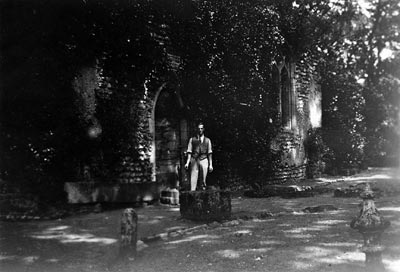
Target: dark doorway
(170, 138)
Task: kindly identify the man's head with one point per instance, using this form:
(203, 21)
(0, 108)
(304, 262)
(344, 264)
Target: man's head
(200, 129)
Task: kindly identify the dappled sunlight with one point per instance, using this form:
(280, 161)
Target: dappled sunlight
(334, 260)
(332, 235)
(30, 259)
(147, 198)
(259, 250)
(174, 209)
(210, 242)
(354, 256)
(357, 178)
(367, 177)
(392, 265)
(61, 233)
(52, 260)
(298, 213)
(392, 209)
(26, 260)
(194, 238)
(310, 252)
(331, 255)
(301, 265)
(154, 221)
(243, 232)
(331, 222)
(334, 212)
(145, 217)
(76, 238)
(7, 258)
(272, 242)
(86, 238)
(233, 254)
(285, 225)
(299, 236)
(228, 253)
(58, 228)
(257, 220)
(338, 244)
(174, 228)
(249, 226)
(301, 230)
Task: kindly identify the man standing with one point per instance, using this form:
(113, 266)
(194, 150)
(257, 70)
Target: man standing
(199, 158)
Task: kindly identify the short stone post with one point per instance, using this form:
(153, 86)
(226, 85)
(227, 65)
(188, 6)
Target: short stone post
(129, 230)
(371, 225)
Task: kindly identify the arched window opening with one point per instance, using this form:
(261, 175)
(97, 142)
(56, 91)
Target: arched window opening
(285, 99)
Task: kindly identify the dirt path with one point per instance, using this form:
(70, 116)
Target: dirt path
(291, 240)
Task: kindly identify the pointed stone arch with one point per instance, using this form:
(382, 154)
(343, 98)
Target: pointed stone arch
(168, 127)
(283, 77)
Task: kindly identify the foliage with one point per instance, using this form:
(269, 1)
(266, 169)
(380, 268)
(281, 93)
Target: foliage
(318, 153)
(343, 125)
(41, 120)
(360, 85)
(227, 49)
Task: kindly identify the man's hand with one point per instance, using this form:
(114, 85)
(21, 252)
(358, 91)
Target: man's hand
(187, 166)
(210, 168)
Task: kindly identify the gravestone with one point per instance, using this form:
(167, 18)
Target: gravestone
(129, 230)
(208, 205)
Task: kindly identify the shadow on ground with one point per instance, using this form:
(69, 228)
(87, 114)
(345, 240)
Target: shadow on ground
(290, 240)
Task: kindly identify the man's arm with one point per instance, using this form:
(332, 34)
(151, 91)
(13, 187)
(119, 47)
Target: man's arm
(188, 160)
(209, 151)
(210, 166)
(189, 153)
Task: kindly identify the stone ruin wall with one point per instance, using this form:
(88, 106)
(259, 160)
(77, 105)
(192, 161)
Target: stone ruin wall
(289, 143)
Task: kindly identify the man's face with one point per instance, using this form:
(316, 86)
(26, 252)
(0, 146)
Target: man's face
(200, 130)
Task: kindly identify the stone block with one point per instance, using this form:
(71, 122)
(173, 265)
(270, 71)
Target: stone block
(93, 192)
(170, 196)
(209, 205)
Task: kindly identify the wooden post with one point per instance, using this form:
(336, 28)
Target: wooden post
(129, 230)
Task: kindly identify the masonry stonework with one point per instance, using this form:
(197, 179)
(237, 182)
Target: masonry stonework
(288, 144)
(157, 129)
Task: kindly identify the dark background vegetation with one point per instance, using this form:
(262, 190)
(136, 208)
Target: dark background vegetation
(226, 48)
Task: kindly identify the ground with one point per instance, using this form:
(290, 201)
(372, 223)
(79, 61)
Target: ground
(276, 235)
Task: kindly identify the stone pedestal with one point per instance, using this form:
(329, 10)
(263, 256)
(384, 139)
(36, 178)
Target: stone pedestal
(209, 205)
(371, 225)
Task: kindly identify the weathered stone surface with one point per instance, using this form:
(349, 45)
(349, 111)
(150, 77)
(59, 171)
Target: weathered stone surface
(206, 205)
(91, 192)
(282, 191)
(320, 208)
(170, 196)
(354, 191)
(371, 224)
(129, 231)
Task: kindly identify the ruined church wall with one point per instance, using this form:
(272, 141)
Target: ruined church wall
(289, 144)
